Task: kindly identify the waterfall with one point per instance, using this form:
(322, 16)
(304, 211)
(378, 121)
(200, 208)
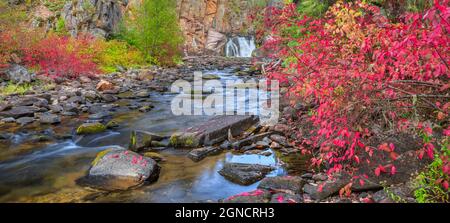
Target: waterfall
(240, 47)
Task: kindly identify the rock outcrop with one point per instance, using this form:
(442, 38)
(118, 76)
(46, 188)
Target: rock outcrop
(97, 17)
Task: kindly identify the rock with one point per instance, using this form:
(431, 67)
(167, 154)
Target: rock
(47, 118)
(90, 128)
(108, 98)
(142, 94)
(120, 170)
(100, 115)
(225, 145)
(97, 17)
(104, 85)
(71, 108)
(145, 108)
(320, 177)
(256, 196)
(279, 139)
(244, 174)
(307, 176)
(261, 145)
(249, 140)
(85, 80)
(329, 188)
(25, 121)
(142, 139)
(210, 77)
(18, 74)
(286, 198)
(275, 145)
(20, 111)
(283, 184)
(8, 120)
(281, 128)
(112, 124)
(213, 131)
(198, 154)
(56, 108)
(76, 100)
(155, 156)
(5, 106)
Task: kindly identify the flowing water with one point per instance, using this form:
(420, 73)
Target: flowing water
(240, 47)
(47, 173)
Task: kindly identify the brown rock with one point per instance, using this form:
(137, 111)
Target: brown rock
(104, 85)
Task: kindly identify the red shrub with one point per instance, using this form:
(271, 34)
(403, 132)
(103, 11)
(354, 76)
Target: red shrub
(362, 70)
(57, 56)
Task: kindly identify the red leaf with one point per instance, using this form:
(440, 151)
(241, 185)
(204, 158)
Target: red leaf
(445, 185)
(377, 171)
(393, 170)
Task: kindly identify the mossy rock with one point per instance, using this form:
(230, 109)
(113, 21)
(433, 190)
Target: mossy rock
(210, 77)
(112, 124)
(90, 128)
(184, 140)
(99, 156)
(155, 156)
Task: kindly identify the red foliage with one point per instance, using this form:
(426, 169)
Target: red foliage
(57, 56)
(360, 69)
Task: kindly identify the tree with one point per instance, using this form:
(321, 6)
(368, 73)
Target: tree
(155, 30)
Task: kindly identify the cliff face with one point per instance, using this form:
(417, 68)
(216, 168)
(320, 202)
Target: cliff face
(206, 23)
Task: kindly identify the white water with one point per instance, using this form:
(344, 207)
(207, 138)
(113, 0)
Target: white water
(240, 47)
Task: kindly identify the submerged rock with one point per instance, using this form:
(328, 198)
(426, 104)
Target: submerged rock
(120, 170)
(245, 174)
(91, 128)
(198, 154)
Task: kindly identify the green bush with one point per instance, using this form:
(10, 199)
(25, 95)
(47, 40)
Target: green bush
(114, 53)
(429, 183)
(154, 30)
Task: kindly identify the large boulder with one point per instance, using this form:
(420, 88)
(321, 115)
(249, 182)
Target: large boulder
(120, 170)
(18, 74)
(213, 131)
(244, 174)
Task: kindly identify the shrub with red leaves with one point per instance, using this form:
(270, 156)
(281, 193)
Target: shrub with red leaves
(57, 56)
(363, 70)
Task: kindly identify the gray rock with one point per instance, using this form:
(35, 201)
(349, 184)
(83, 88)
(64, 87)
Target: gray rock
(20, 111)
(25, 121)
(198, 154)
(8, 120)
(244, 174)
(120, 170)
(213, 131)
(279, 139)
(100, 115)
(329, 188)
(249, 140)
(225, 145)
(320, 177)
(47, 118)
(18, 74)
(283, 183)
(56, 108)
(142, 139)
